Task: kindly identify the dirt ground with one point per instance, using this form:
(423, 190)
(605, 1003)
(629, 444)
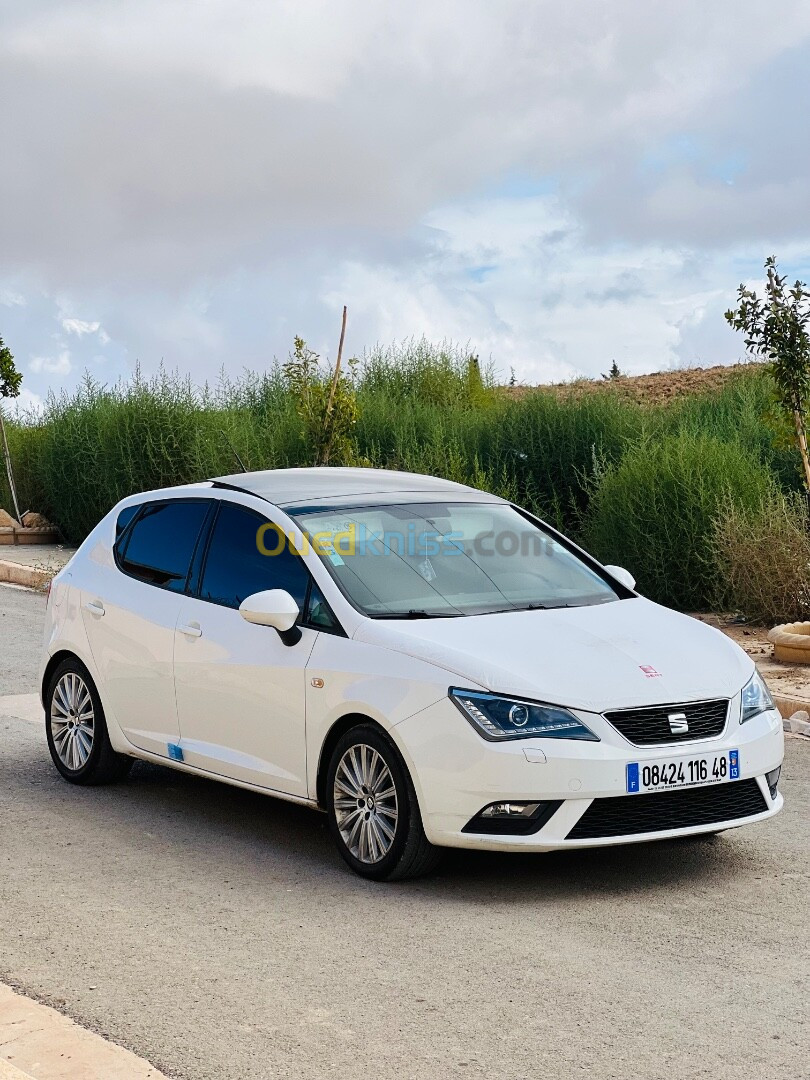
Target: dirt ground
(661, 386)
(787, 680)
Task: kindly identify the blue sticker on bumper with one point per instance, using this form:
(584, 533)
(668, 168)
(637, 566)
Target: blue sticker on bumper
(632, 777)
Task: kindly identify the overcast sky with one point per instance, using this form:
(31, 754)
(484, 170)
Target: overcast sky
(560, 184)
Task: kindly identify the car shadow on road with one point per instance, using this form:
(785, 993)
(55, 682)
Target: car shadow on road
(225, 820)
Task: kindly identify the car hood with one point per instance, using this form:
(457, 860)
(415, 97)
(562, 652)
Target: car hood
(617, 655)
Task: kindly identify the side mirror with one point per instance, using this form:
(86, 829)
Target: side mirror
(624, 577)
(276, 608)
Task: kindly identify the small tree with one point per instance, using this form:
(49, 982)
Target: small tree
(10, 380)
(775, 329)
(326, 403)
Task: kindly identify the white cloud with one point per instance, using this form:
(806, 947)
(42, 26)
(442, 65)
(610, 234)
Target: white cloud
(29, 403)
(253, 131)
(10, 298)
(52, 365)
(546, 304)
(208, 180)
(78, 327)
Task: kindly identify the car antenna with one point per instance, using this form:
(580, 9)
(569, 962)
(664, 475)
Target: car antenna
(232, 449)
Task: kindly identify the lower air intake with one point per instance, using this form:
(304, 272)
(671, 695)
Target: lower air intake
(626, 815)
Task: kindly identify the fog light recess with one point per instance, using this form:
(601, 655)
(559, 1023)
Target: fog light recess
(772, 780)
(510, 818)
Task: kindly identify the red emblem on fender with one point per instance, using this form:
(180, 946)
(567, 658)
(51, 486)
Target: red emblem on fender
(649, 671)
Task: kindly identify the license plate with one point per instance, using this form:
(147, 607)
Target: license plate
(683, 772)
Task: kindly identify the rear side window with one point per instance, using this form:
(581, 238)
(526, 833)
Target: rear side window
(235, 568)
(124, 518)
(161, 543)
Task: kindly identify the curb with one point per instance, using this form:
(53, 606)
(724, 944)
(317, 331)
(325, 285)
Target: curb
(46, 1044)
(13, 573)
(797, 726)
(795, 713)
(11, 1072)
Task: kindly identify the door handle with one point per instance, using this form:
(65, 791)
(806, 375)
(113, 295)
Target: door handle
(191, 630)
(95, 607)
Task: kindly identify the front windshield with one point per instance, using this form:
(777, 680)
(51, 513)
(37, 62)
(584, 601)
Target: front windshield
(418, 560)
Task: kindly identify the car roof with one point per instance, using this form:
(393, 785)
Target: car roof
(334, 485)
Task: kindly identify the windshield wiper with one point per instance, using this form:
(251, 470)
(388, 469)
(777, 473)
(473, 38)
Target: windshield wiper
(416, 613)
(529, 607)
(523, 607)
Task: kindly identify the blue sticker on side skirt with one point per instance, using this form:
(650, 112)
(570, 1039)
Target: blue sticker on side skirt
(175, 752)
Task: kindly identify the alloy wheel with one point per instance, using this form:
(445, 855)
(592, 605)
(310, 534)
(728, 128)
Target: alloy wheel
(365, 801)
(72, 721)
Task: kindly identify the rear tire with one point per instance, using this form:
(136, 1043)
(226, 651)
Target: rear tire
(373, 812)
(76, 728)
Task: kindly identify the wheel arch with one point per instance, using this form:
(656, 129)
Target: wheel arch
(53, 663)
(336, 731)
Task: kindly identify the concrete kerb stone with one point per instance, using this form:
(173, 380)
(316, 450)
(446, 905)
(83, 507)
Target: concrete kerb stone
(14, 573)
(11, 1072)
(795, 713)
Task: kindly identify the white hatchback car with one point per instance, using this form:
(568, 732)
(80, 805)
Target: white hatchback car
(427, 663)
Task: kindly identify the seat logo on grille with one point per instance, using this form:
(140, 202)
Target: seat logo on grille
(678, 723)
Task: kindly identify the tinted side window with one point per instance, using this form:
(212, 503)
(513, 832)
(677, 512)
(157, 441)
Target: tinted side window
(235, 568)
(318, 614)
(124, 518)
(162, 542)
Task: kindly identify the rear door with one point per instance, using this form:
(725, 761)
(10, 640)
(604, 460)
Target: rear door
(132, 614)
(240, 689)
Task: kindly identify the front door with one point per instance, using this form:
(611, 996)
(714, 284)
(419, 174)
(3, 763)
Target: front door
(240, 689)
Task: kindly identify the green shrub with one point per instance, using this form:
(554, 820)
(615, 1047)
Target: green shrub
(552, 444)
(445, 374)
(90, 449)
(654, 512)
(326, 404)
(740, 411)
(763, 553)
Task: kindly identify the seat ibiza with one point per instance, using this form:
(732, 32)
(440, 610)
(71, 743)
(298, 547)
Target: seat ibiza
(427, 663)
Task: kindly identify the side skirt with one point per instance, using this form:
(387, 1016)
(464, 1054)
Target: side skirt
(181, 766)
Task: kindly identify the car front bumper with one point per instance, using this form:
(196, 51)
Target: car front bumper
(457, 773)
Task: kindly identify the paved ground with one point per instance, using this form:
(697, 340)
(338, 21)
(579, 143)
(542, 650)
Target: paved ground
(46, 555)
(21, 615)
(215, 932)
(32, 565)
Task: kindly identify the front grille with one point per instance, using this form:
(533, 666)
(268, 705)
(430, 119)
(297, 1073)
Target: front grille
(651, 726)
(625, 815)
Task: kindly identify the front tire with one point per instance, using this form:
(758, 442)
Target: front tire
(76, 728)
(373, 813)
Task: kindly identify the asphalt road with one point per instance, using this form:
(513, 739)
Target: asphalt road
(216, 933)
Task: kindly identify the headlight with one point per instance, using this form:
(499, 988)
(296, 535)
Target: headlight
(756, 698)
(498, 718)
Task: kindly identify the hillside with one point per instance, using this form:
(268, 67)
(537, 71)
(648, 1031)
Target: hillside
(661, 386)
